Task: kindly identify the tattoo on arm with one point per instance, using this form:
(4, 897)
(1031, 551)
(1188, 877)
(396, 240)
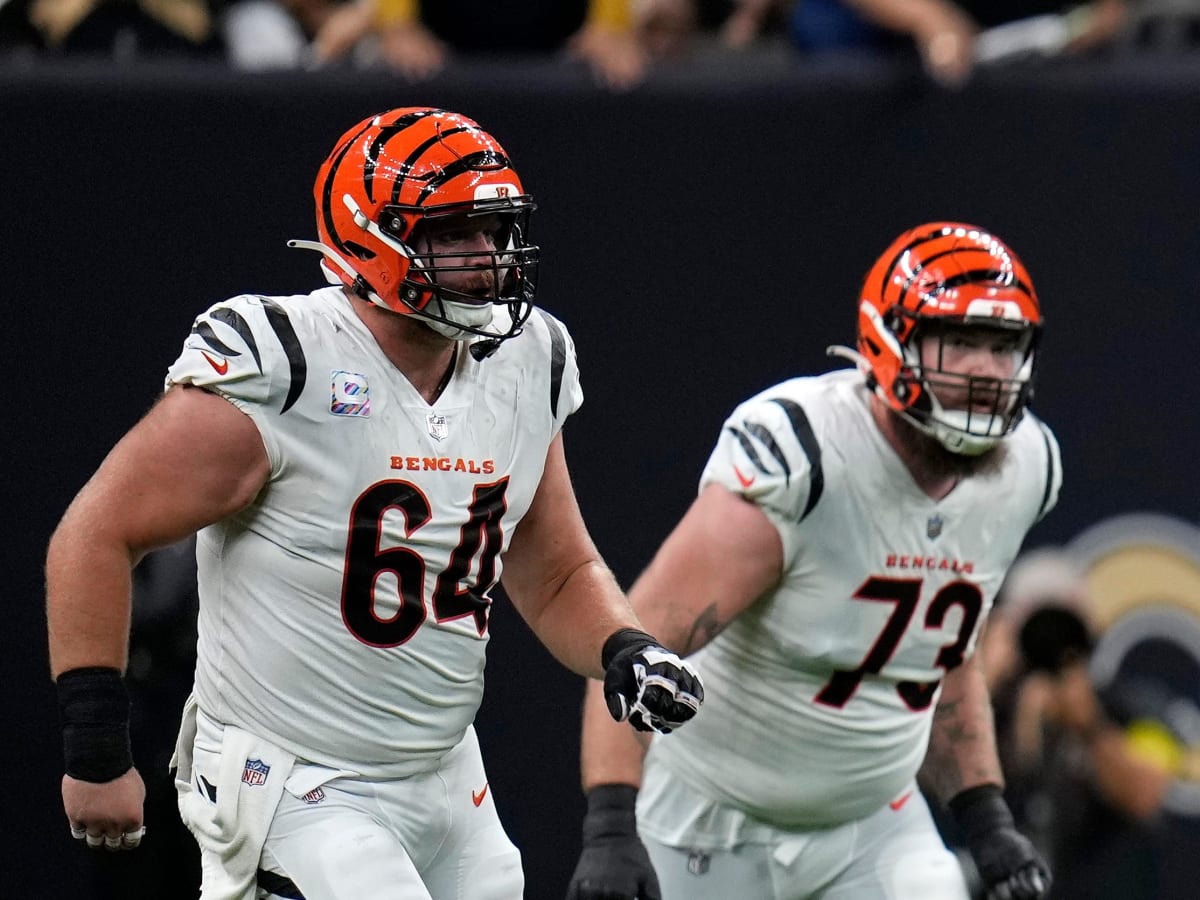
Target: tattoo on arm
(704, 629)
(962, 749)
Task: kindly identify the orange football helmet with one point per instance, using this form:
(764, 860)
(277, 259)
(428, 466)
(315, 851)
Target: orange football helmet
(391, 174)
(934, 279)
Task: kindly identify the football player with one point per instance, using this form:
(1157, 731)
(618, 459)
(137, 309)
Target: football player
(832, 577)
(364, 464)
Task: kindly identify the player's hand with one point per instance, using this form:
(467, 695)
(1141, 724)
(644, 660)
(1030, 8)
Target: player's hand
(1009, 865)
(616, 58)
(412, 50)
(341, 28)
(648, 685)
(945, 38)
(1011, 868)
(614, 864)
(107, 815)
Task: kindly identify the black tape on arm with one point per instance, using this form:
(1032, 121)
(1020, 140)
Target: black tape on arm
(94, 706)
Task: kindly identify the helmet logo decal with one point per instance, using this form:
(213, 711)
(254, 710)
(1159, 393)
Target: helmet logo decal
(994, 309)
(495, 191)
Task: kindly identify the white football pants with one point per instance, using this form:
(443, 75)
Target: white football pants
(336, 836)
(894, 854)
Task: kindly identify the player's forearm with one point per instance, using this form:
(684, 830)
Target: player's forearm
(576, 617)
(962, 741)
(610, 752)
(88, 590)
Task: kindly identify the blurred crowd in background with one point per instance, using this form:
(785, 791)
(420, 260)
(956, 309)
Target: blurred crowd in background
(1092, 654)
(619, 41)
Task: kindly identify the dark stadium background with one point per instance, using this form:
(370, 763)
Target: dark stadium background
(703, 237)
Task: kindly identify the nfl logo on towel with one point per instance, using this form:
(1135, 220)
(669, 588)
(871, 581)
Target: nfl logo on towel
(256, 772)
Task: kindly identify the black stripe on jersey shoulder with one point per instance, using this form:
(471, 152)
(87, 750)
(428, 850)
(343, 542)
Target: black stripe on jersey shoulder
(802, 428)
(765, 436)
(278, 885)
(205, 332)
(235, 321)
(558, 358)
(1050, 470)
(278, 319)
(763, 433)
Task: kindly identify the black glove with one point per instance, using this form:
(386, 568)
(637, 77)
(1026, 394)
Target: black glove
(648, 684)
(1008, 863)
(614, 864)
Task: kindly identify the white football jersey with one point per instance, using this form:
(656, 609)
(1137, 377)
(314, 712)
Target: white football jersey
(343, 614)
(819, 697)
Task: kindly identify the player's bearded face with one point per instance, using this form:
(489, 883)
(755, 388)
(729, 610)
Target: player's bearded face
(461, 249)
(940, 462)
(970, 368)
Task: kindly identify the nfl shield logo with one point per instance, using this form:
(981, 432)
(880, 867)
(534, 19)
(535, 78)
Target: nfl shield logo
(316, 795)
(437, 426)
(697, 862)
(255, 772)
(934, 526)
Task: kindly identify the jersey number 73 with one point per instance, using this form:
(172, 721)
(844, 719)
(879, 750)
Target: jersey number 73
(905, 593)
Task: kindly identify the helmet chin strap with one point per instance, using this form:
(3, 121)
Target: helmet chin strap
(456, 315)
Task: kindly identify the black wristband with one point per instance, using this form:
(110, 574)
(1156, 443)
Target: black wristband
(94, 707)
(622, 639)
(620, 797)
(981, 810)
(610, 812)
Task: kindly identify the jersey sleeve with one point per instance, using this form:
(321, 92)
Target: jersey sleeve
(1053, 476)
(768, 453)
(247, 351)
(566, 393)
(231, 350)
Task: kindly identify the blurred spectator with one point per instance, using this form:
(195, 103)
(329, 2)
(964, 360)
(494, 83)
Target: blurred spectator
(17, 34)
(952, 38)
(417, 37)
(125, 29)
(1164, 25)
(670, 27)
(1081, 786)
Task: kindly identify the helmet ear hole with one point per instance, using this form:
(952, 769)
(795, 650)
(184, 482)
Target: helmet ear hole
(359, 250)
